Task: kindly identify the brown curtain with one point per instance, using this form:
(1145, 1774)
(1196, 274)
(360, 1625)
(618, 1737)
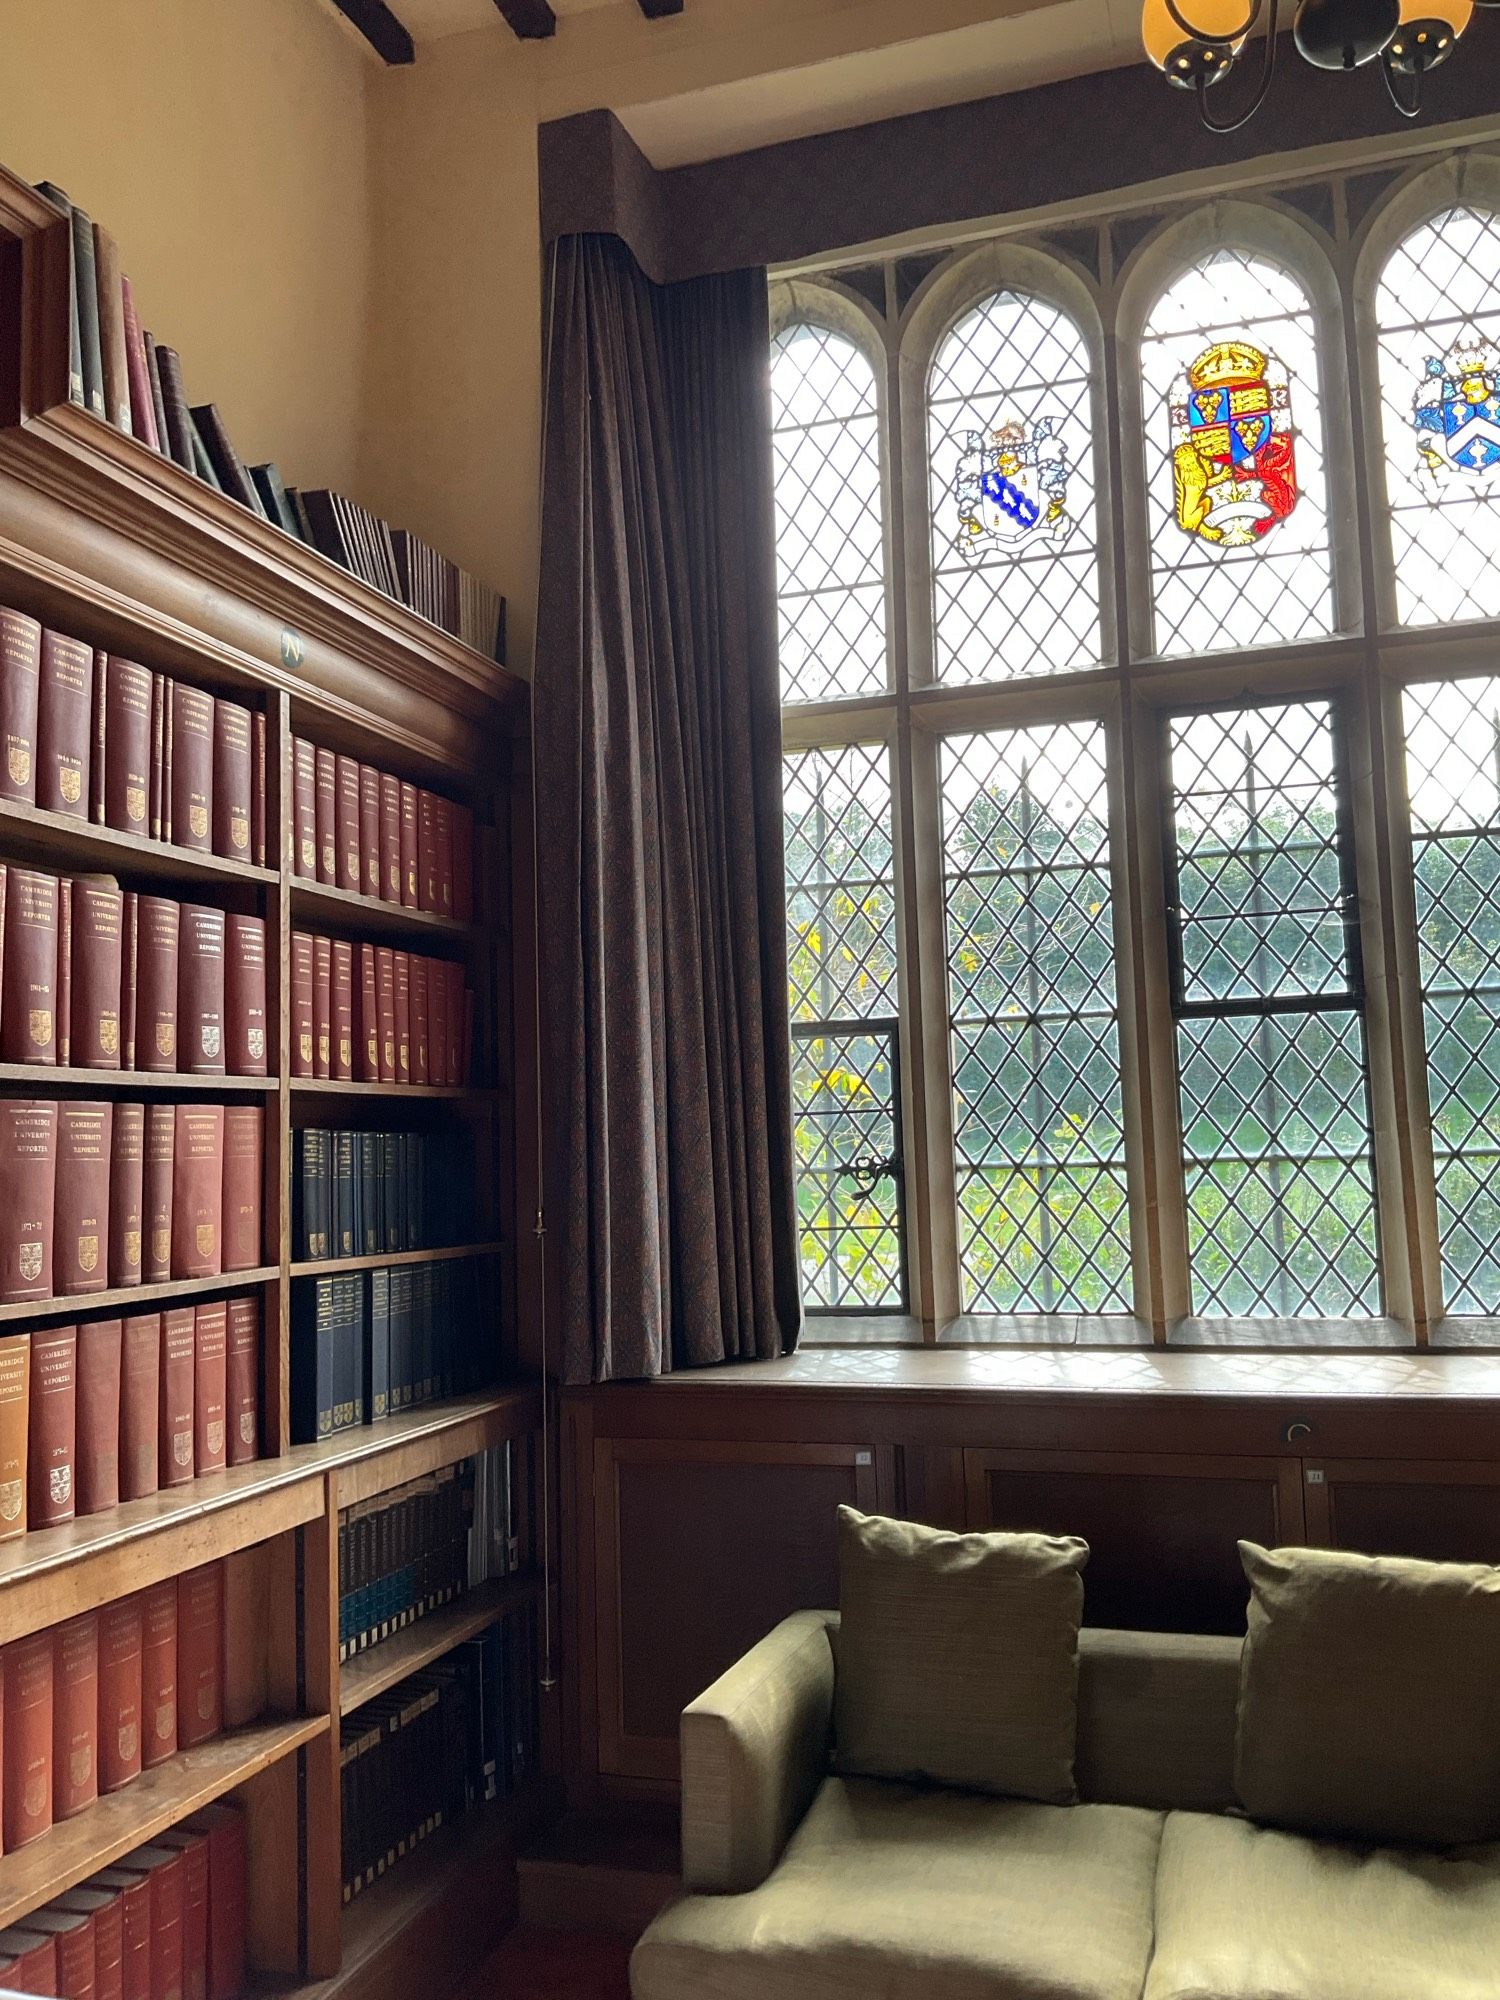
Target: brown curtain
(670, 1198)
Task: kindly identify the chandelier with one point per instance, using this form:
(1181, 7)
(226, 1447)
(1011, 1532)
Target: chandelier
(1196, 43)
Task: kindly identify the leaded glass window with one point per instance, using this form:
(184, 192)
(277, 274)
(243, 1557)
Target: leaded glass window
(830, 530)
(1011, 455)
(1267, 991)
(1038, 1134)
(1438, 316)
(1236, 493)
(1453, 777)
(841, 961)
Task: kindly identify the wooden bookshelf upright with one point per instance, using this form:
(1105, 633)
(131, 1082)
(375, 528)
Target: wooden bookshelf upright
(102, 538)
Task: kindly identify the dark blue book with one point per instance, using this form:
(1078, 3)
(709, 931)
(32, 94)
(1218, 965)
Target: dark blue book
(378, 1347)
(314, 1311)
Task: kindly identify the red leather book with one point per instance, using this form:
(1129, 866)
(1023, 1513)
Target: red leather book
(242, 1379)
(325, 802)
(98, 924)
(346, 827)
(134, 1892)
(322, 1005)
(200, 1650)
(198, 1191)
(158, 943)
(420, 1020)
(75, 1715)
(193, 1847)
(178, 1386)
(191, 762)
(27, 1789)
(28, 1962)
(369, 829)
(159, 1673)
(210, 1386)
(463, 863)
(142, 405)
(369, 1017)
(429, 888)
(401, 962)
(232, 787)
(225, 1826)
(73, 1934)
(28, 1182)
(52, 1427)
(64, 725)
(127, 1189)
(28, 988)
(20, 665)
(442, 839)
(457, 997)
(156, 1192)
(107, 1913)
(247, 1623)
(390, 838)
(437, 1019)
(127, 746)
(245, 1036)
(168, 724)
(15, 1406)
(244, 1179)
(129, 952)
(385, 1010)
(64, 999)
(96, 737)
(98, 1403)
(410, 879)
(80, 1247)
(120, 1638)
(112, 330)
(140, 1404)
(160, 1868)
(258, 788)
(302, 1004)
(200, 990)
(156, 810)
(304, 810)
(341, 1054)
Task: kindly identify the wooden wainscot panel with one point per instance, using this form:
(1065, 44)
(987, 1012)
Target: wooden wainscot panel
(1442, 1512)
(1162, 1530)
(701, 1547)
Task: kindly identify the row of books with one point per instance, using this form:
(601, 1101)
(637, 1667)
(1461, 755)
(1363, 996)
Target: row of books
(362, 1194)
(445, 1741)
(403, 1019)
(168, 1922)
(99, 977)
(370, 1344)
(91, 1704)
(136, 383)
(358, 828)
(114, 1409)
(95, 1195)
(100, 738)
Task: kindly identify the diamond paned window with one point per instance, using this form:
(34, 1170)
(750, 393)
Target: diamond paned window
(1236, 495)
(1437, 313)
(1267, 990)
(1453, 778)
(1040, 1152)
(830, 533)
(1010, 445)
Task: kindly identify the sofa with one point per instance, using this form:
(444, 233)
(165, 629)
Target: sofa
(808, 1886)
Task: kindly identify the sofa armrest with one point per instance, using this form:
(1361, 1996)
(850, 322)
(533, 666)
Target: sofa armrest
(754, 1750)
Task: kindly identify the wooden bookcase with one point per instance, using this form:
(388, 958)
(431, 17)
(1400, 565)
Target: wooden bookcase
(102, 538)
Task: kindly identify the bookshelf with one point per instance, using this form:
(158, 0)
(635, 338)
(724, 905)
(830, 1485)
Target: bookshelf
(103, 539)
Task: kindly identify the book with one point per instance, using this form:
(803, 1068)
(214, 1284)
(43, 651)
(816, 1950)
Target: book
(130, 917)
(28, 1961)
(315, 1306)
(28, 983)
(242, 1379)
(140, 1403)
(98, 1415)
(437, 1020)
(80, 1250)
(28, 1183)
(341, 1054)
(178, 1390)
(15, 1407)
(322, 1005)
(158, 951)
(193, 1847)
(20, 673)
(127, 745)
(86, 286)
(27, 1734)
(247, 1625)
(429, 887)
(200, 989)
(64, 725)
(106, 1916)
(244, 1129)
(134, 1892)
(410, 879)
(229, 468)
(377, 1341)
(97, 921)
(197, 1190)
(52, 1428)
(61, 202)
(158, 399)
(274, 498)
(232, 780)
(168, 687)
(344, 1198)
(156, 1192)
(246, 1040)
(325, 806)
(64, 995)
(369, 1016)
(390, 838)
(127, 1169)
(304, 810)
(192, 767)
(385, 1010)
(401, 963)
(159, 1673)
(120, 1636)
(210, 1386)
(142, 407)
(303, 1041)
(224, 1824)
(312, 1201)
(112, 330)
(258, 788)
(74, 1934)
(75, 1715)
(161, 1868)
(155, 796)
(369, 829)
(203, 465)
(200, 1662)
(347, 824)
(96, 738)
(421, 1020)
(463, 863)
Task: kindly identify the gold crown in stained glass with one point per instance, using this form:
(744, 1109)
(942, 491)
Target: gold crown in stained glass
(1226, 365)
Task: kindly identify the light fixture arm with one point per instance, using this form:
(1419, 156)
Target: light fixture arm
(1262, 91)
(1193, 33)
(1409, 106)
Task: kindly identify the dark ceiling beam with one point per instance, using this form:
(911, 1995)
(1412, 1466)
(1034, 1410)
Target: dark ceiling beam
(531, 20)
(658, 10)
(380, 28)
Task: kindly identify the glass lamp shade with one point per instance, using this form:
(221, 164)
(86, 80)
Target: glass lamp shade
(1426, 33)
(1220, 28)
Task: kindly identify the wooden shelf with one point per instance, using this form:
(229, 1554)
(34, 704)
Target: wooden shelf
(326, 1086)
(370, 1673)
(325, 1267)
(399, 1449)
(158, 1799)
(41, 1077)
(136, 1298)
(371, 917)
(56, 841)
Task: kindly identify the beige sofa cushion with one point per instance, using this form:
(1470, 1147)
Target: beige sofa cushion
(957, 1657)
(893, 1891)
(1156, 1714)
(1370, 1696)
(1249, 1913)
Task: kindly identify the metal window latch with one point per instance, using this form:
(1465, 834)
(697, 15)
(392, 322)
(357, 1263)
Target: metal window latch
(868, 1172)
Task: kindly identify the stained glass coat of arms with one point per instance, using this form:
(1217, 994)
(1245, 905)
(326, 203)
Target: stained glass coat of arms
(1234, 454)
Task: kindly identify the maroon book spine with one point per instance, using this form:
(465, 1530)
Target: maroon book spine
(119, 1694)
(156, 1192)
(245, 996)
(242, 1374)
(165, 1877)
(244, 1175)
(97, 699)
(20, 667)
(142, 406)
(100, 1355)
(225, 1826)
(233, 785)
(437, 1020)
(28, 1183)
(258, 788)
(75, 1715)
(210, 1386)
(129, 953)
(442, 840)
(106, 1916)
(64, 725)
(155, 792)
(463, 864)
(178, 1380)
(15, 1403)
(401, 962)
(304, 810)
(127, 1190)
(420, 1020)
(157, 950)
(369, 1017)
(192, 768)
(127, 747)
(385, 1010)
(28, 1002)
(302, 1004)
(325, 800)
(341, 1059)
(64, 997)
(80, 1245)
(52, 1434)
(346, 780)
(410, 880)
(140, 1404)
(98, 925)
(369, 829)
(168, 724)
(390, 838)
(27, 1787)
(322, 1005)
(159, 1674)
(459, 1003)
(200, 1650)
(200, 989)
(134, 1892)
(429, 890)
(193, 1848)
(198, 1191)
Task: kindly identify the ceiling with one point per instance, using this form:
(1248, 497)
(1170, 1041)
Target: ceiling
(430, 20)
